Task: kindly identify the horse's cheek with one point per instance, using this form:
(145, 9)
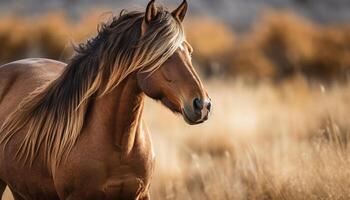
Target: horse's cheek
(151, 87)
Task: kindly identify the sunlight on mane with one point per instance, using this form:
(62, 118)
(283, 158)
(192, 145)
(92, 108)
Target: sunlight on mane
(55, 113)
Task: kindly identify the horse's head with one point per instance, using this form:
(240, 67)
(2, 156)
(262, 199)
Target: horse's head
(175, 83)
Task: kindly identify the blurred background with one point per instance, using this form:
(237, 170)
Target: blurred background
(277, 72)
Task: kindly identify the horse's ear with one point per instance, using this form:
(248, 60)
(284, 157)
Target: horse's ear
(151, 12)
(181, 11)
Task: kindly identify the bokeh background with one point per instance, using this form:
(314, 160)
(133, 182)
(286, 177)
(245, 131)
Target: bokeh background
(276, 70)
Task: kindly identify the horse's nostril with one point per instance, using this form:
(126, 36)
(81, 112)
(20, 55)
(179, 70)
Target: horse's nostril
(209, 106)
(198, 105)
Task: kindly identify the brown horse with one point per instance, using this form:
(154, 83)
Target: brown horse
(75, 131)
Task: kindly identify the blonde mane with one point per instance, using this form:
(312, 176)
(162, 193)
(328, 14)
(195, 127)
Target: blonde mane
(55, 113)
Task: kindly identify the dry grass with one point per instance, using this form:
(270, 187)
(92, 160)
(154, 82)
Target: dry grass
(14, 42)
(266, 142)
(262, 142)
(49, 36)
(282, 45)
(212, 40)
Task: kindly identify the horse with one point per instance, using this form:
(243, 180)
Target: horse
(75, 131)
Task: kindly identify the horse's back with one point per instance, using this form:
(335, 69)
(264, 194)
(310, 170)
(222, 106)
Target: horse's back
(20, 78)
(17, 80)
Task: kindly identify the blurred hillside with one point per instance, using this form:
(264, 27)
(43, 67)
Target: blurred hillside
(238, 13)
(280, 45)
(256, 40)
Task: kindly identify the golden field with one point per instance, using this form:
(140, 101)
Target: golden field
(288, 141)
(266, 142)
(280, 122)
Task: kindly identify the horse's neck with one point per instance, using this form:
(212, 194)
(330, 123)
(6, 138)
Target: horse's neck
(119, 114)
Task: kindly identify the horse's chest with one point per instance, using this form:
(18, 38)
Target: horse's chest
(109, 173)
(133, 174)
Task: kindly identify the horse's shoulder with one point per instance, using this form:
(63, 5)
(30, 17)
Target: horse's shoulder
(32, 67)
(19, 78)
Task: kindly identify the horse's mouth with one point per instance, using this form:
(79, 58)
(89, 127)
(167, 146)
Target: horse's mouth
(189, 120)
(172, 106)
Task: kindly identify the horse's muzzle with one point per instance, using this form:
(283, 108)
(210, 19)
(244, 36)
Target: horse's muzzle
(198, 112)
